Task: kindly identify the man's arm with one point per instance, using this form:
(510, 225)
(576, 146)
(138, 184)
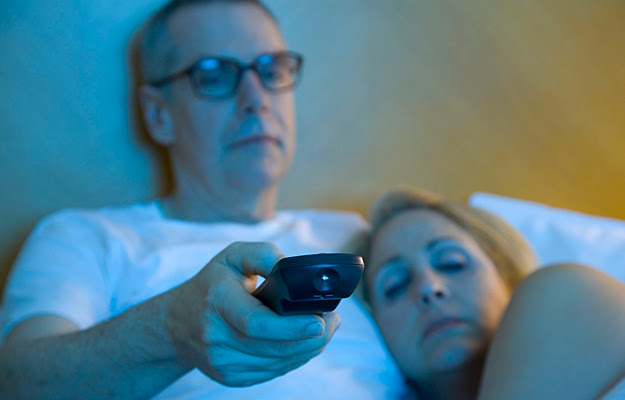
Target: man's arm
(210, 322)
(125, 357)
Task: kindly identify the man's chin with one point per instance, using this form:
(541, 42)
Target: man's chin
(257, 180)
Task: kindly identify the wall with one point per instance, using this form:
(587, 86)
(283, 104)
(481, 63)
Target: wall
(522, 98)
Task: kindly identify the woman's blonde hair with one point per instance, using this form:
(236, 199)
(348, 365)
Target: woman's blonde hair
(509, 252)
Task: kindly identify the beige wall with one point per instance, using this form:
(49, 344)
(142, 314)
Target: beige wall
(520, 98)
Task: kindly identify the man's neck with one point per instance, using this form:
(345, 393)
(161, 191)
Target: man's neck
(201, 206)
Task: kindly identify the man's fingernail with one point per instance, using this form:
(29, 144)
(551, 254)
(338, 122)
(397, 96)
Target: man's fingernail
(314, 329)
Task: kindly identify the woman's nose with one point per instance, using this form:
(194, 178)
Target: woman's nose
(431, 289)
(427, 298)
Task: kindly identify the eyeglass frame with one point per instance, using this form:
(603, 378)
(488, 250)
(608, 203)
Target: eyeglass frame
(190, 70)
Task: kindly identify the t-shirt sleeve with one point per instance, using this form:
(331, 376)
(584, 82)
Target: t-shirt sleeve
(60, 271)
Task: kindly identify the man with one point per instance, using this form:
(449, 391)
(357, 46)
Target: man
(117, 302)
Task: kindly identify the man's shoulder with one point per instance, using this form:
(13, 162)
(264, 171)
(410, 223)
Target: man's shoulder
(325, 230)
(99, 217)
(330, 218)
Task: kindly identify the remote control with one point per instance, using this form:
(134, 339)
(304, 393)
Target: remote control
(310, 284)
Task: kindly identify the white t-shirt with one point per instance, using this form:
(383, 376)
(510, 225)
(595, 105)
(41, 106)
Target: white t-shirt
(90, 265)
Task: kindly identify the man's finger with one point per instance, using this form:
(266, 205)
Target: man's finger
(237, 363)
(251, 318)
(243, 370)
(287, 349)
(250, 258)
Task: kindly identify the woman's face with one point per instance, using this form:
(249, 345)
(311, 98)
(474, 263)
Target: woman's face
(435, 294)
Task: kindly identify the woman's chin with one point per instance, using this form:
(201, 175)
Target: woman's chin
(452, 355)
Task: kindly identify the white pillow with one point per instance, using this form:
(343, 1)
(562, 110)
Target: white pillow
(559, 235)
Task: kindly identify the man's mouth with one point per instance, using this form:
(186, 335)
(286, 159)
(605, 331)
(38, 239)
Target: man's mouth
(259, 139)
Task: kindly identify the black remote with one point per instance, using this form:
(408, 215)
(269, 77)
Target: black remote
(310, 284)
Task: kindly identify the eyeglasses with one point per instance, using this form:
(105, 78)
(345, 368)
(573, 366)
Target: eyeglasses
(219, 77)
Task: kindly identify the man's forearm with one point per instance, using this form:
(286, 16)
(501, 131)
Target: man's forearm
(129, 356)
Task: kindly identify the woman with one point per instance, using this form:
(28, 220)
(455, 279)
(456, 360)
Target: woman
(454, 293)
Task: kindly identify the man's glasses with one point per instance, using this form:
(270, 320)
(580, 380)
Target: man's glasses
(219, 77)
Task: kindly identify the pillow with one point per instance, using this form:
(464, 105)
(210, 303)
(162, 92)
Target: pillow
(560, 235)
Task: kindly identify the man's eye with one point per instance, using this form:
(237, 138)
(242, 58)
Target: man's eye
(274, 75)
(450, 260)
(270, 74)
(209, 80)
(210, 76)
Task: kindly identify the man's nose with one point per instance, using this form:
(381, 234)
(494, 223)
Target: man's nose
(252, 97)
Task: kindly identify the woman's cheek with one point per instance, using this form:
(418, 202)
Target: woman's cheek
(393, 323)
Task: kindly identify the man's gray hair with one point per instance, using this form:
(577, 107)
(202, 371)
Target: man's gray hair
(156, 55)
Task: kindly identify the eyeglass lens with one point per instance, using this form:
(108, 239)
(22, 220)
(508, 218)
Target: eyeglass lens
(217, 77)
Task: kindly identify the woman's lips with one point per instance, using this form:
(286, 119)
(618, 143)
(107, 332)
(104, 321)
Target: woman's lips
(439, 325)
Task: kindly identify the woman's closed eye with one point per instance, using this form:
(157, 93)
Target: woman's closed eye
(395, 283)
(398, 288)
(450, 258)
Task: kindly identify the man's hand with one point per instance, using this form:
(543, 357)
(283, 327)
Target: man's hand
(217, 326)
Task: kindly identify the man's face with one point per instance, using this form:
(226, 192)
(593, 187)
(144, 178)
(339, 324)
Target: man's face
(246, 141)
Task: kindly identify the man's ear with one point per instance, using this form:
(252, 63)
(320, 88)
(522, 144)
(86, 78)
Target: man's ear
(156, 115)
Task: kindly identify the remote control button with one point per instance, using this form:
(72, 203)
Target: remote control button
(326, 280)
